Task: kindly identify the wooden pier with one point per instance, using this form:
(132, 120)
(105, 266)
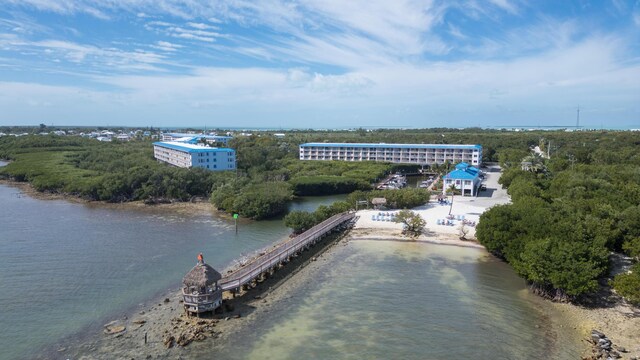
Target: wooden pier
(283, 253)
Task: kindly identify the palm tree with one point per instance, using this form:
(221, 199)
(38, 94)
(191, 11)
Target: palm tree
(537, 163)
(451, 188)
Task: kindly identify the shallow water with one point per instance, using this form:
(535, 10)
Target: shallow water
(65, 267)
(389, 300)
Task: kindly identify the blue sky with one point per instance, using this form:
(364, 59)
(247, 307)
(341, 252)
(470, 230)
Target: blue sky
(320, 63)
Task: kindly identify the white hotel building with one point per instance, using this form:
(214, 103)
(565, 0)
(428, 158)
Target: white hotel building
(187, 155)
(193, 138)
(422, 154)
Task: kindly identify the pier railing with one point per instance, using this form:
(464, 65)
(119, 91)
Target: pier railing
(196, 299)
(282, 252)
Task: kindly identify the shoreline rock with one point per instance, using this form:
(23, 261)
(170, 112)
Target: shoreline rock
(603, 347)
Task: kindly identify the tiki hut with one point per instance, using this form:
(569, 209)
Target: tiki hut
(200, 289)
(378, 202)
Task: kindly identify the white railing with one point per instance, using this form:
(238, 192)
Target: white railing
(281, 253)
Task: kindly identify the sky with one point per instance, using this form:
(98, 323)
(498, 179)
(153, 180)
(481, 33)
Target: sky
(320, 63)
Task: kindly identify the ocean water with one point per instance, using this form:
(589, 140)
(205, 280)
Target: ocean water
(67, 267)
(392, 300)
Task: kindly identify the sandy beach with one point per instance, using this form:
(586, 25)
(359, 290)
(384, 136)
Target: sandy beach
(162, 318)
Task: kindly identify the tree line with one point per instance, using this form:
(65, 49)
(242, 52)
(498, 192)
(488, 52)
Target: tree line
(568, 213)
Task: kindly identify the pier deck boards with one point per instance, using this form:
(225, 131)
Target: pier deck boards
(282, 253)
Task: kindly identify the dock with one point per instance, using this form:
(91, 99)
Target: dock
(283, 252)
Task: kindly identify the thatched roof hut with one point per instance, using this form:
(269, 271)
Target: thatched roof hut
(378, 201)
(202, 275)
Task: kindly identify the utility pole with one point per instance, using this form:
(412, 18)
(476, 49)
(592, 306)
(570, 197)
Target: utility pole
(578, 118)
(549, 150)
(572, 159)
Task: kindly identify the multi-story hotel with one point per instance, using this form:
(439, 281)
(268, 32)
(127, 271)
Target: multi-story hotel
(423, 154)
(195, 137)
(191, 155)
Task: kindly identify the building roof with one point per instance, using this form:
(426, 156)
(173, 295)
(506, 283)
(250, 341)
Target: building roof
(182, 135)
(190, 148)
(399, 146)
(463, 171)
(202, 275)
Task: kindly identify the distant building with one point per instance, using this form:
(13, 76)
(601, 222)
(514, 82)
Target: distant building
(187, 155)
(465, 178)
(279, 135)
(195, 137)
(422, 154)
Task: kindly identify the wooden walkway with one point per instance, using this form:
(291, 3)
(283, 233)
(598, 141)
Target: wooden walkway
(282, 253)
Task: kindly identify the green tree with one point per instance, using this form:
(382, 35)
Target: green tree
(536, 163)
(565, 266)
(628, 285)
(413, 223)
(630, 227)
(300, 221)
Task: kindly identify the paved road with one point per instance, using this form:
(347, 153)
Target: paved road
(494, 194)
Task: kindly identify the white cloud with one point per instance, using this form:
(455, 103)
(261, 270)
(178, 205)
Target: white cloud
(364, 58)
(505, 5)
(194, 32)
(202, 26)
(100, 58)
(166, 46)
(455, 31)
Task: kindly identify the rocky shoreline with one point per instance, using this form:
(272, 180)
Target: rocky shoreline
(169, 334)
(162, 330)
(603, 348)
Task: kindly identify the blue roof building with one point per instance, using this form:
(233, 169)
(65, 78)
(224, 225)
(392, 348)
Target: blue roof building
(186, 155)
(421, 154)
(465, 178)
